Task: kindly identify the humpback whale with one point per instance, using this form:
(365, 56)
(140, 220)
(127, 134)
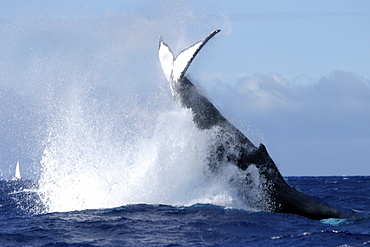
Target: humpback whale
(233, 146)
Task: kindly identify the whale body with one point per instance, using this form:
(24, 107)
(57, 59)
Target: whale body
(282, 197)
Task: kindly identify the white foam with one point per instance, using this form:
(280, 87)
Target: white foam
(85, 168)
(160, 162)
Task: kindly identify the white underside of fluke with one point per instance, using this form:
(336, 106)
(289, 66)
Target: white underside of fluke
(166, 58)
(175, 68)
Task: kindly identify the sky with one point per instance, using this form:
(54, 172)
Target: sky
(294, 76)
(311, 38)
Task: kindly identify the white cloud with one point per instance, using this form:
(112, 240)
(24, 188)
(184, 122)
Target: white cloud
(340, 92)
(265, 93)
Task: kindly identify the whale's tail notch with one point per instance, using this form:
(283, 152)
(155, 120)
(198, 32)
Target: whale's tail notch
(174, 68)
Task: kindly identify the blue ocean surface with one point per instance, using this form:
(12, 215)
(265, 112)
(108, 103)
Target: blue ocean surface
(23, 223)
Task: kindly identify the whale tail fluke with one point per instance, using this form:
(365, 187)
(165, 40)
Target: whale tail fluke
(174, 68)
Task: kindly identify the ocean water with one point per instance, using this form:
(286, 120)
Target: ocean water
(24, 222)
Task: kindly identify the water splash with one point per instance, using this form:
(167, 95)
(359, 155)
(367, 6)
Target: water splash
(89, 164)
(95, 158)
(114, 135)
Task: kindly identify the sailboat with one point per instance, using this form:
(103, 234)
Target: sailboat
(17, 174)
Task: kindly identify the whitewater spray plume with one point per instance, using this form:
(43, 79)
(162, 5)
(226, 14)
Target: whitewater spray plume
(114, 135)
(90, 164)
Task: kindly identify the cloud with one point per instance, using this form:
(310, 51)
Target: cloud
(265, 92)
(338, 93)
(344, 91)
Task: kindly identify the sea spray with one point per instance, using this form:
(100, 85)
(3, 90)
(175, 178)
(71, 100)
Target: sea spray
(88, 163)
(106, 148)
(85, 167)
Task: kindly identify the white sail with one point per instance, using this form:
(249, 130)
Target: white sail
(17, 174)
